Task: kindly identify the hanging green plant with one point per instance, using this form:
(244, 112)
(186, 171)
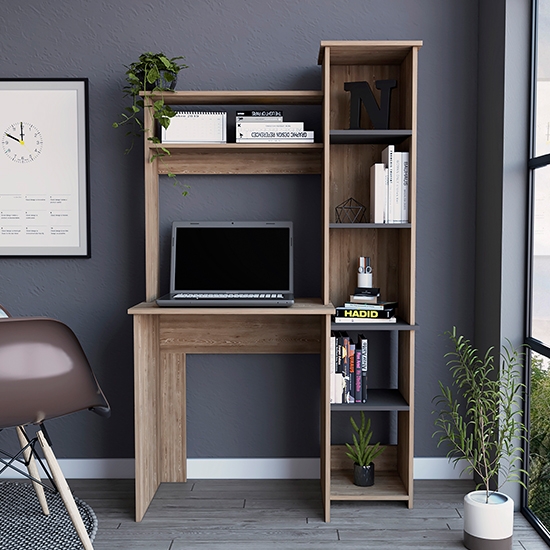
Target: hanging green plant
(153, 72)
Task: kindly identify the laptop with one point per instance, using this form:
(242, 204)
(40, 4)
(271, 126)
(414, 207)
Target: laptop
(231, 264)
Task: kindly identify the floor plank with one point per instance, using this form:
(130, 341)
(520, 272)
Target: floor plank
(279, 515)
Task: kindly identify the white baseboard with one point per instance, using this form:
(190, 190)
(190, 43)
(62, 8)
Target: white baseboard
(234, 468)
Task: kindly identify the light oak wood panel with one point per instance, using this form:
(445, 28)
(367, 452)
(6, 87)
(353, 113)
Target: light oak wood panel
(146, 413)
(172, 410)
(325, 420)
(363, 52)
(387, 461)
(301, 306)
(152, 252)
(350, 176)
(387, 482)
(410, 67)
(224, 97)
(405, 446)
(234, 158)
(340, 98)
(241, 334)
(387, 486)
(326, 203)
(381, 245)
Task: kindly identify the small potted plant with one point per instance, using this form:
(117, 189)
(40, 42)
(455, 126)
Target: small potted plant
(483, 427)
(362, 453)
(153, 72)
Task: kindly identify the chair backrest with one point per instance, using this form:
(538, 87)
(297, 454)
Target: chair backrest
(44, 372)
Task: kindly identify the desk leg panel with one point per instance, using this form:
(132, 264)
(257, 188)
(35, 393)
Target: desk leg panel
(146, 418)
(172, 427)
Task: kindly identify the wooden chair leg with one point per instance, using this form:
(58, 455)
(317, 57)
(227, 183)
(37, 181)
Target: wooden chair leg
(64, 491)
(32, 469)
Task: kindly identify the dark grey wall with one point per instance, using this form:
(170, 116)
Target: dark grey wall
(502, 193)
(241, 406)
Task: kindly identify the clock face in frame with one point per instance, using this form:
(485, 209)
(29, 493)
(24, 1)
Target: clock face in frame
(22, 142)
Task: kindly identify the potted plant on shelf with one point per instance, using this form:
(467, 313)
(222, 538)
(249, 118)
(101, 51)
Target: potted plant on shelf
(153, 72)
(483, 426)
(363, 453)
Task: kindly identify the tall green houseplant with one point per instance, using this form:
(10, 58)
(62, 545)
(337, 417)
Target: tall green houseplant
(482, 422)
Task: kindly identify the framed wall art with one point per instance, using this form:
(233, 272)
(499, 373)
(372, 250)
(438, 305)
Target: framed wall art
(44, 206)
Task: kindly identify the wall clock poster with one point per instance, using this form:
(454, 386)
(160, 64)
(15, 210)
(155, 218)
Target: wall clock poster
(44, 167)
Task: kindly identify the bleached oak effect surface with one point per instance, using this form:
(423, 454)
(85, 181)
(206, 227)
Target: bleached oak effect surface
(279, 514)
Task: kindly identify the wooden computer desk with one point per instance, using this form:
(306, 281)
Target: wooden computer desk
(162, 339)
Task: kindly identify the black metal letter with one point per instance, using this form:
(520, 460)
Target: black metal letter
(361, 92)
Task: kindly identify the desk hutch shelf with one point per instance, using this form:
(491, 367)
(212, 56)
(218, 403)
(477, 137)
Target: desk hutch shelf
(342, 157)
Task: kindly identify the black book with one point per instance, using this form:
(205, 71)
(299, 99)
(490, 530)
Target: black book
(261, 113)
(357, 313)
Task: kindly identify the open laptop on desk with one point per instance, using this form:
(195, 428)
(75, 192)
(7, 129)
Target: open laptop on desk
(231, 264)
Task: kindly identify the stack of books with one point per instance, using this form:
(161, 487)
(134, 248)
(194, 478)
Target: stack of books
(365, 306)
(389, 187)
(269, 127)
(348, 368)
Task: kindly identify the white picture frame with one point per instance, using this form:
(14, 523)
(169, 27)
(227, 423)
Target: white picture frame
(44, 168)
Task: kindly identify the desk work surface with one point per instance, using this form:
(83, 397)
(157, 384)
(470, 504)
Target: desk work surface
(302, 306)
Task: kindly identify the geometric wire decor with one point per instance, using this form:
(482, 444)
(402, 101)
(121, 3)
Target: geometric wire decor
(350, 211)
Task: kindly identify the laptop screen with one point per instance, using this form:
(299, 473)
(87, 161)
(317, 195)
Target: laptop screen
(232, 256)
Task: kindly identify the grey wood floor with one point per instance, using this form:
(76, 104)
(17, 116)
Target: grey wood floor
(279, 514)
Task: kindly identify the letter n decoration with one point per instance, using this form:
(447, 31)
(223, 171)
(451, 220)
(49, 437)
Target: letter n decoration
(362, 92)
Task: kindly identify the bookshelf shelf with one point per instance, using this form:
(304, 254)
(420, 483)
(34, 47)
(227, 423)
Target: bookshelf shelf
(269, 97)
(368, 136)
(388, 483)
(369, 225)
(235, 158)
(388, 486)
(378, 400)
(348, 157)
(366, 327)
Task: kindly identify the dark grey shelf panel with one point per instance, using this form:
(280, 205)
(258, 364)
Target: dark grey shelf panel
(369, 225)
(377, 400)
(368, 325)
(369, 136)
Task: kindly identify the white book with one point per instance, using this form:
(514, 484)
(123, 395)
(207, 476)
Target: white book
(253, 130)
(284, 136)
(257, 119)
(196, 127)
(405, 202)
(332, 354)
(337, 384)
(387, 159)
(266, 126)
(398, 186)
(377, 192)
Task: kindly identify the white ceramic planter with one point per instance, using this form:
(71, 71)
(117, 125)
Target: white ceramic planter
(488, 526)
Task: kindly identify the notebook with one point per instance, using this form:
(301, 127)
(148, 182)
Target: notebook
(231, 264)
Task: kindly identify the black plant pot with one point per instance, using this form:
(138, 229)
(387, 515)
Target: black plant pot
(363, 475)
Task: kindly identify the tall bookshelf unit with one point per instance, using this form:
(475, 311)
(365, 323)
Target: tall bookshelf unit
(347, 158)
(164, 336)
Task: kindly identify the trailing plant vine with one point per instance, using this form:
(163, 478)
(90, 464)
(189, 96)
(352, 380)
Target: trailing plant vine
(154, 73)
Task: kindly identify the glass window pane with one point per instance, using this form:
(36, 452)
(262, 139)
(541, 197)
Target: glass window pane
(539, 439)
(540, 311)
(542, 113)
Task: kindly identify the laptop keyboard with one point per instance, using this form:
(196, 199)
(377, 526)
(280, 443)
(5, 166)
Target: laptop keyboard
(217, 296)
